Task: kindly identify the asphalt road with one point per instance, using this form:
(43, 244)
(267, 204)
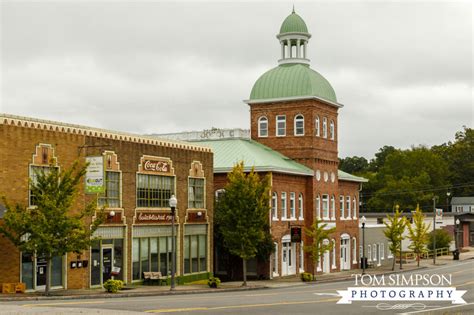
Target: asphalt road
(300, 299)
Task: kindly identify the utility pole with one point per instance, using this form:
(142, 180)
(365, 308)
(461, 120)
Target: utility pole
(434, 230)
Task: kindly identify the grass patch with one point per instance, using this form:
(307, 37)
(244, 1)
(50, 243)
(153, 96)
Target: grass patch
(198, 282)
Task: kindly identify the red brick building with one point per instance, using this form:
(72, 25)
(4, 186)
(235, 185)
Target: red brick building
(140, 174)
(294, 136)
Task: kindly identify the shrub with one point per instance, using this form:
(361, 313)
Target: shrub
(113, 286)
(306, 277)
(214, 282)
(443, 239)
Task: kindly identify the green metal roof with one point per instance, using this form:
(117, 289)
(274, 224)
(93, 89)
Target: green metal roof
(292, 80)
(349, 177)
(293, 24)
(228, 152)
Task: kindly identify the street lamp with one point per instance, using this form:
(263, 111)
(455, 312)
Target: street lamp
(362, 220)
(448, 194)
(434, 230)
(173, 202)
(457, 234)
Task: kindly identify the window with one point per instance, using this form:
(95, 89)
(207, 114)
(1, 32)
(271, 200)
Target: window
(35, 171)
(354, 208)
(348, 206)
(360, 252)
(354, 250)
(325, 127)
(333, 207)
(318, 207)
(331, 130)
(283, 205)
(374, 252)
(301, 257)
(151, 254)
(111, 197)
(195, 248)
(299, 125)
(292, 205)
(154, 191)
(316, 126)
(196, 193)
(263, 127)
(341, 206)
(275, 206)
(219, 193)
(275, 259)
(300, 206)
(333, 254)
(382, 251)
(369, 252)
(281, 126)
(389, 252)
(325, 206)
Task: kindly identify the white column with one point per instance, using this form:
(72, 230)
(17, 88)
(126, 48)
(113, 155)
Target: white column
(304, 49)
(290, 53)
(298, 55)
(282, 49)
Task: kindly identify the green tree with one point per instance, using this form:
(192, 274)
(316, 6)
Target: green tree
(394, 228)
(418, 234)
(379, 160)
(318, 233)
(443, 239)
(51, 228)
(242, 213)
(354, 164)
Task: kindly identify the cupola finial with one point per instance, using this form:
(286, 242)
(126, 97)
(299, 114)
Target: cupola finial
(293, 9)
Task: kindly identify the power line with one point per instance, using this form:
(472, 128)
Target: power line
(401, 192)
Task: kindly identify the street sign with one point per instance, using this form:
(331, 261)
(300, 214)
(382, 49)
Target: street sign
(439, 215)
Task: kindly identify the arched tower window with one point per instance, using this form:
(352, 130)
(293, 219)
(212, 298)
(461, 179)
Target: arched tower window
(331, 130)
(299, 125)
(316, 126)
(325, 127)
(263, 127)
(275, 206)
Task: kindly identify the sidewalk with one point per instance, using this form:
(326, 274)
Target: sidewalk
(145, 290)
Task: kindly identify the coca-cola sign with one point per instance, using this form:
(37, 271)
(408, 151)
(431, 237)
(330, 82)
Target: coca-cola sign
(153, 217)
(156, 166)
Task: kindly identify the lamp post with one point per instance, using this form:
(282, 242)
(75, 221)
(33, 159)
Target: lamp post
(456, 241)
(173, 202)
(448, 194)
(363, 244)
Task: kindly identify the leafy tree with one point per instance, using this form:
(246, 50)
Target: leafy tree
(395, 227)
(443, 239)
(318, 234)
(51, 228)
(242, 213)
(418, 234)
(354, 164)
(379, 160)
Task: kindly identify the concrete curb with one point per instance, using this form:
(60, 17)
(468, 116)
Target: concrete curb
(129, 294)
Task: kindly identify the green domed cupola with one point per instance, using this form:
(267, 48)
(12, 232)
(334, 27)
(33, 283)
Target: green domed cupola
(293, 78)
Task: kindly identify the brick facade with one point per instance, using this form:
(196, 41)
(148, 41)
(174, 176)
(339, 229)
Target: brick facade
(19, 140)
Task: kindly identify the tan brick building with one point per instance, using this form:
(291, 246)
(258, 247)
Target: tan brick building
(140, 174)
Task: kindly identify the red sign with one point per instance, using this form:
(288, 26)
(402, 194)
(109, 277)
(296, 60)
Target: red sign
(156, 166)
(151, 217)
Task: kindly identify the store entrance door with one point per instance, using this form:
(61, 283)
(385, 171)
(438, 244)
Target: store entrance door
(107, 263)
(40, 273)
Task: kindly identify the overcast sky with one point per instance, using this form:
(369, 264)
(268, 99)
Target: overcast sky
(402, 69)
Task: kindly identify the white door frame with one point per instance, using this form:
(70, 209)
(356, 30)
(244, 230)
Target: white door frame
(288, 256)
(345, 252)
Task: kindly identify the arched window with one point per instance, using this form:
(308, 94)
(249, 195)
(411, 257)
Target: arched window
(318, 207)
(263, 127)
(299, 125)
(280, 125)
(382, 251)
(333, 254)
(219, 193)
(316, 126)
(354, 208)
(331, 130)
(369, 252)
(325, 127)
(275, 206)
(283, 205)
(333, 208)
(354, 250)
(300, 206)
(341, 206)
(348, 206)
(326, 207)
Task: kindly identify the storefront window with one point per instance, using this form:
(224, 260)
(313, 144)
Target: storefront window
(27, 270)
(196, 193)
(111, 196)
(195, 249)
(154, 191)
(151, 254)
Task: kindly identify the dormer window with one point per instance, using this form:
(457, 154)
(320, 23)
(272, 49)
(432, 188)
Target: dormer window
(263, 127)
(281, 126)
(299, 125)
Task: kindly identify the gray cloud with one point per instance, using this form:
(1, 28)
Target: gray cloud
(403, 70)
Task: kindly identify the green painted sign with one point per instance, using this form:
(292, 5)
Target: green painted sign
(95, 181)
